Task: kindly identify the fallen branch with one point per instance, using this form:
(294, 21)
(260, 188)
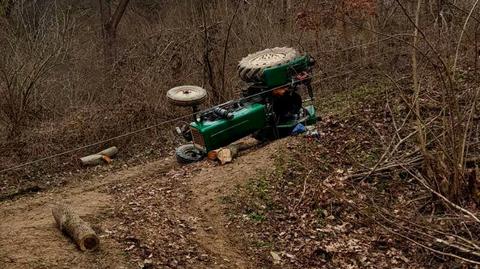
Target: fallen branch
(304, 189)
(386, 168)
(420, 179)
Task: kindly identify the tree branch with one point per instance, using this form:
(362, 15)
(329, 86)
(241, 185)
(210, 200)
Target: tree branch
(117, 16)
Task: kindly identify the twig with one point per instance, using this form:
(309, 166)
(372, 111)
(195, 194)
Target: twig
(461, 36)
(427, 247)
(227, 38)
(459, 245)
(466, 132)
(419, 178)
(304, 189)
(388, 167)
(416, 84)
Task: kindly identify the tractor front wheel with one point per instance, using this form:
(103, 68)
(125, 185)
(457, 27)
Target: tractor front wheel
(188, 154)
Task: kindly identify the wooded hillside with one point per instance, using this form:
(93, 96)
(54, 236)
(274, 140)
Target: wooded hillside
(397, 84)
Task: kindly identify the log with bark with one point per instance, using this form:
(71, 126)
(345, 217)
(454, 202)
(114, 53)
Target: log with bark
(79, 230)
(103, 156)
(228, 153)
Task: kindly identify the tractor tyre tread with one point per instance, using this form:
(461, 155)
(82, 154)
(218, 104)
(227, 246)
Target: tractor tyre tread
(251, 68)
(184, 154)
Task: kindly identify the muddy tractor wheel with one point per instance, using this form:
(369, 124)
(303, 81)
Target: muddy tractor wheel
(187, 95)
(251, 67)
(188, 154)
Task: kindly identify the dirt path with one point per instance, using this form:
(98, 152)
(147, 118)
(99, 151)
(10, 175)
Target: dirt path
(155, 214)
(30, 239)
(209, 187)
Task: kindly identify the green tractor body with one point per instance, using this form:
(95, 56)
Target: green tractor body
(209, 135)
(270, 107)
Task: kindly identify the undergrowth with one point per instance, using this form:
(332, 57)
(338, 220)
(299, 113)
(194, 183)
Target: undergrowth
(312, 214)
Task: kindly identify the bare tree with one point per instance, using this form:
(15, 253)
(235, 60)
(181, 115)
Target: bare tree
(29, 53)
(109, 27)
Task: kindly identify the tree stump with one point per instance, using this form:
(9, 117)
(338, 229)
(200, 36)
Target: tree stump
(79, 230)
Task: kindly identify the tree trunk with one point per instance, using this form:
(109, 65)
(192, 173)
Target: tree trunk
(79, 230)
(285, 14)
(209, 73)
(109, 48)
(109, 31)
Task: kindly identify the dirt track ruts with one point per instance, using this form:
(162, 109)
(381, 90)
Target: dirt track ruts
(29, 238)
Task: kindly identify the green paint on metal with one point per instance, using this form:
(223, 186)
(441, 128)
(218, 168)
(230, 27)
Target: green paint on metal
(312, 115)
(222, 132)
(281, 74)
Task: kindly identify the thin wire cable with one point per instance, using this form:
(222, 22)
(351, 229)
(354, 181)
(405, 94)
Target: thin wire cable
(157, 125)
(124, 135)
(364, 45)
(352, 64)
(337, 75)
(94, 144)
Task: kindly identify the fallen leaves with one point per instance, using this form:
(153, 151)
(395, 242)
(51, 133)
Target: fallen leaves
(151, 226)
(323, 229)
(276, 258)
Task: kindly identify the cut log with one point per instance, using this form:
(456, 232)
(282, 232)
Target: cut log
(228, 153)
(103, 156)
(110, 152)
(79, 230)
(94, 159)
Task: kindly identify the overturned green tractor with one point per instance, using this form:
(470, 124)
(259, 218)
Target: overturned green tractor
(278, 97)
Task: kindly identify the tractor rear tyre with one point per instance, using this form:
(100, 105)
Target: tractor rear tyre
(251, 67)
(188, 154)
(187, 95)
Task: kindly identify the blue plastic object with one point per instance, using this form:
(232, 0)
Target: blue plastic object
(298, 129)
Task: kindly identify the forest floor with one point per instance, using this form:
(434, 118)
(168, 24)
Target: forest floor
(286, 204)
(157, 213)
